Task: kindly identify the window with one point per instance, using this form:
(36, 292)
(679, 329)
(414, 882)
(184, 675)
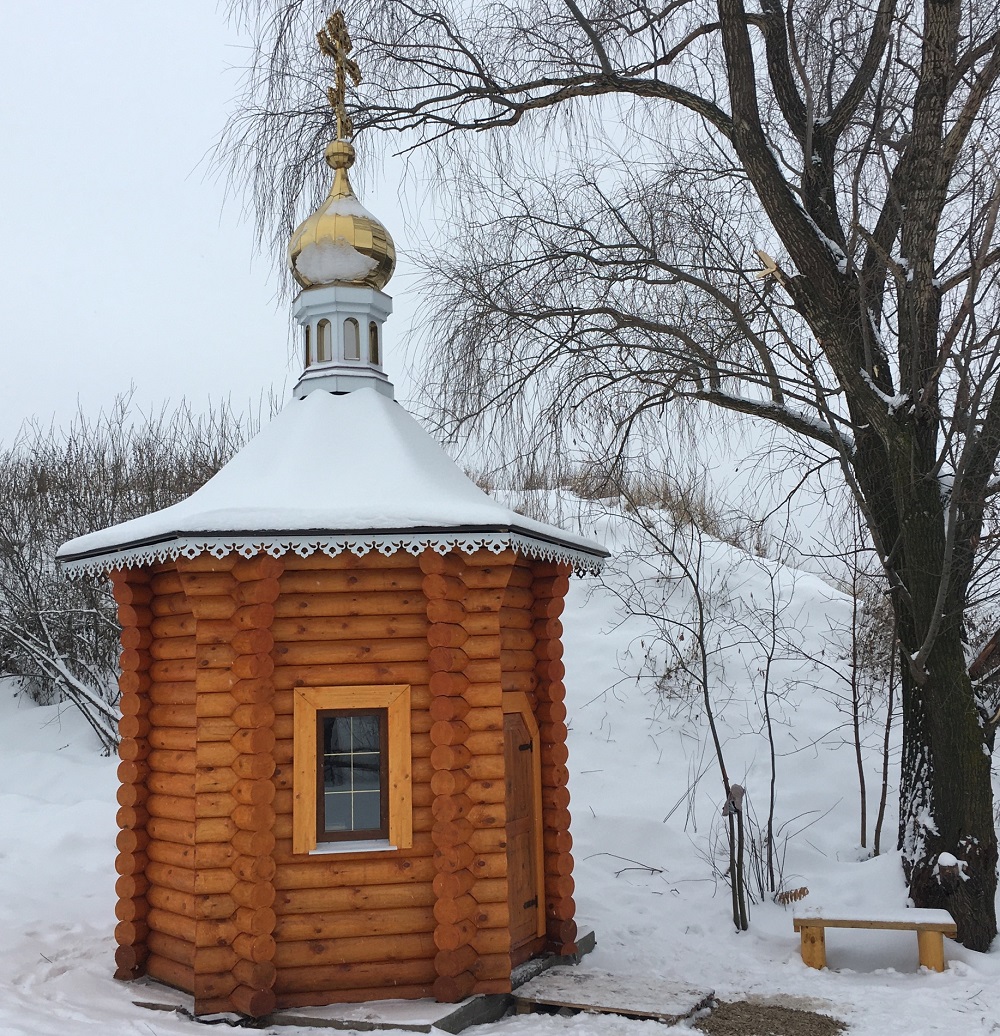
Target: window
(351, 767)
(373, 350)
(352, 339)
(308, 349)
(352, 775)
(323, 351)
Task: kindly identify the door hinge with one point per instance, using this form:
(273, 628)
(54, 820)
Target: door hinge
(524, 748)
(531, 903)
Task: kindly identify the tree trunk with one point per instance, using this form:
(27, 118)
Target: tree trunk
(946, 802)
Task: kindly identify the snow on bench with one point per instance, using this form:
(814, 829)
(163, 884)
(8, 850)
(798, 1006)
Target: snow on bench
(930, 925)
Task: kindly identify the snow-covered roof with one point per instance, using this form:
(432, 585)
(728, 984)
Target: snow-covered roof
(331, 473)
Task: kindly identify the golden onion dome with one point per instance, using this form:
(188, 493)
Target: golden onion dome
(341, 242)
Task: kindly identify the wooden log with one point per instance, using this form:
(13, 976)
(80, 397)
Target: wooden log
(172, 739)
(130, 863)
(255, 922)
(132, 841)
(254, 868)
(260, 566)
(486, 841)
(549, 650)
(253, 716)
(554, 775)
(376, 626)
(256, 948)
(252, 692)
(253, 895)
(493, 967)
(253, 1000)
(559, 886)
(136, 638)
(548, 607)
(560, 909)
(445, 709)
(454, 936)
(253, 742)
(397, 897)
(179, 831)
(177, 926)
(134, 683)
(133, 749)
(450, 989)
(450, 757)
(180, 693)
(219, 907)
(130, 962)
(171, 761)
(492, 940)
(557, 843)
(133, 727)
(129, 886)
(367, 978)
(453, 911)
(174, 854)
(445, 783)
(339, 955)
(354, 924)
(130, 587)
(489, 890)
(134, 615)
(320, 872)
(253, 818)
(451, 807)
(488, 577)
(180, 951)
(450, 564)
(515, 619)
(316, 605)
(453, 962)
(212, 991)
(254, 616)
(172, 670)
(254, 765)
(170, 807)
(452, 859)
(172, 715)
(136, 910)
(172, 647)
(449, 733)
(340, 581)
(132, 817)
(133, 772)
(443, 587)
(561, 935)
(551, 671)
(205, 583)
(519, 640)
(257, 975)
(288, 676)
(350, 652)
(180, 976)
(214, 829)
(253, 843)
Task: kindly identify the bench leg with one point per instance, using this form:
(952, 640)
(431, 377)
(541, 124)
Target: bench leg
(814, 947)
(930, 947)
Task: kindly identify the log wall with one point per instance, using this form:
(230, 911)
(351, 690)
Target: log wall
(211, 897)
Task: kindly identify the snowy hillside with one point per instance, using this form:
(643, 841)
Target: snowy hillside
(640, 752)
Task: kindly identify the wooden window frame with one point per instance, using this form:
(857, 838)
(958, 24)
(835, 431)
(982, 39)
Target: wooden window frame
(308, 702)
(323, 834)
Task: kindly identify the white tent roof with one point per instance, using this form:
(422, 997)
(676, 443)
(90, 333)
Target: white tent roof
(329, 473)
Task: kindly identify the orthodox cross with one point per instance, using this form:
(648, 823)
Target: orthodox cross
(335, 42)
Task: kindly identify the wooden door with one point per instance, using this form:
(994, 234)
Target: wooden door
(522, 842)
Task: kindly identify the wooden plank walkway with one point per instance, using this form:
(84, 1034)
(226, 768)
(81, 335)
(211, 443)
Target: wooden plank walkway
(632, 996)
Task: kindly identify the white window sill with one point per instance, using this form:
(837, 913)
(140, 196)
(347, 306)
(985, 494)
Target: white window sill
(369, 846)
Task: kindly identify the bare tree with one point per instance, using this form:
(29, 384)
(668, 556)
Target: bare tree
(61, 638)
(619, 172)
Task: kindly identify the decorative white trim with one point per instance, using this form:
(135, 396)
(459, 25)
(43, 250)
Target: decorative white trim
(276, 545)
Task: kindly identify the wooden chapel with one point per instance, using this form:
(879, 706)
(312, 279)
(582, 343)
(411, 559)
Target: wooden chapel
(343, 767)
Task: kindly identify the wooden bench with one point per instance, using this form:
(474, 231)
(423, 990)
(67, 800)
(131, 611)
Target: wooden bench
(930, 925)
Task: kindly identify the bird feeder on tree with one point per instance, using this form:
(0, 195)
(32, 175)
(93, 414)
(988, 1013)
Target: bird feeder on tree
(343, 740)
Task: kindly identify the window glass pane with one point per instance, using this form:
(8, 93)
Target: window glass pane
(351, 773)
(373, 351)
(366, 811)
(338, 811)
(309, 357)
(367, 771)
(352, 340)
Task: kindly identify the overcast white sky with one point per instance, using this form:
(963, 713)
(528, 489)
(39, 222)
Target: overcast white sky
(120, 261)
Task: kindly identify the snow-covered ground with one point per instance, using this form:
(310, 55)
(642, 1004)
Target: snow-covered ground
(649, 886)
